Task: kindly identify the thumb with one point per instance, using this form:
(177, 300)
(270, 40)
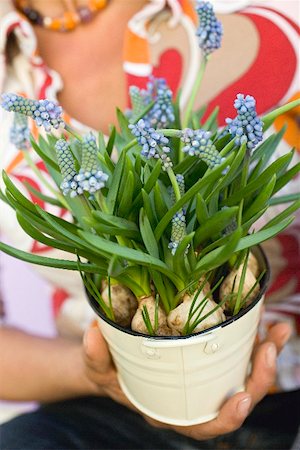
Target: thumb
(96, 350)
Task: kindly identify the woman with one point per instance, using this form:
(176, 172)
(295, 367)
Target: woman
(86, 54)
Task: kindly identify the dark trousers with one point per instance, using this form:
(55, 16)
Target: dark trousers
(99, 423)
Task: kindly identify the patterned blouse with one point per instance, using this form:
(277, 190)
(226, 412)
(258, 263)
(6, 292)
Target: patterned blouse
(258, 56)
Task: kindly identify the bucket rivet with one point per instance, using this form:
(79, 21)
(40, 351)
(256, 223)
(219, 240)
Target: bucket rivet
(212, 348)
(151, 353)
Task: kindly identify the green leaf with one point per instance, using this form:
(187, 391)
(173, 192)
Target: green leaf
(40, 237)
(127, 194)
(212, 175)
(54, 243)
(148, 186)
(199, 113)
(147, 235)
(219, 256)
(185, 164)
(63, 227)
(50, 262)
(201, 209)
(138, 164)
(44, 156)
(123, 124)
(115, 184)
(115, 268)
(145, 111)
(247, 225)
(267, 148)
(103, 229)
(111, 141)
(43, 197)
(283, 215)
(160, 206)
(136, 256)
(3, 198)
(288, 176)
(256, 184)
(221, 142)
(263, 235)
(234, 169)
(101, 143)
(228, 147)
(180, 256)
(214, 225)
(260, 201)
(33, 218)
(161, 289)
(106, 162)
(17, 194)
(284, 199)
(268, 119)
(213, 204)
(115, 221)
(149, 208)
(211, 123)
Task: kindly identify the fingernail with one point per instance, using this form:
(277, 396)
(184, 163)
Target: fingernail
(244, 406)
(271, 355)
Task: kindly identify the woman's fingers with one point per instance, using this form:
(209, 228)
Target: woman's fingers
(97, 356)
(279, 334)
(263, 371)
(236, 409)
(230, 418)
(99, 367)
(264, 362)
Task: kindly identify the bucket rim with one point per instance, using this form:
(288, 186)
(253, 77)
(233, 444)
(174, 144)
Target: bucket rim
(258, 252)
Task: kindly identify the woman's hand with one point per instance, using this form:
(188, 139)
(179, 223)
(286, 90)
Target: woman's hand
(99, 368)
(100, 371)
(237, 408)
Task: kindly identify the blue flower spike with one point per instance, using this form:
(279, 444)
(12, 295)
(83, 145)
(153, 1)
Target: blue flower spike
(140, 98)
(210, 30)
(154, 144)
(198, 143)
(90, 178)
(19, 132)
(162, 112)
(179, 221)
(247, 126)
(181, 185)
(67, 167)
(45, 113)
(178, 230)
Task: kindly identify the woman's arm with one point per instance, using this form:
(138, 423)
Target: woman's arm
(41, 369)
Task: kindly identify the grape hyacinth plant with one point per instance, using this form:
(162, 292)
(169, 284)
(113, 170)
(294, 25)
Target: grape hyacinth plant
(45, 113)
(19, 132)
(163, 235)
(247, 127)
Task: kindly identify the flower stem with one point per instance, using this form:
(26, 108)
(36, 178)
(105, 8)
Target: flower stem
(268, 119)
(174, 183)
(43, 180)
(169, 132)
(243, 183)
(101, 202)
(195, 90)
(72, 132)
(129, 145)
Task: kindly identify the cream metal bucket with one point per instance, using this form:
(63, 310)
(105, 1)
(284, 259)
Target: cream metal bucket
(185, 380)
